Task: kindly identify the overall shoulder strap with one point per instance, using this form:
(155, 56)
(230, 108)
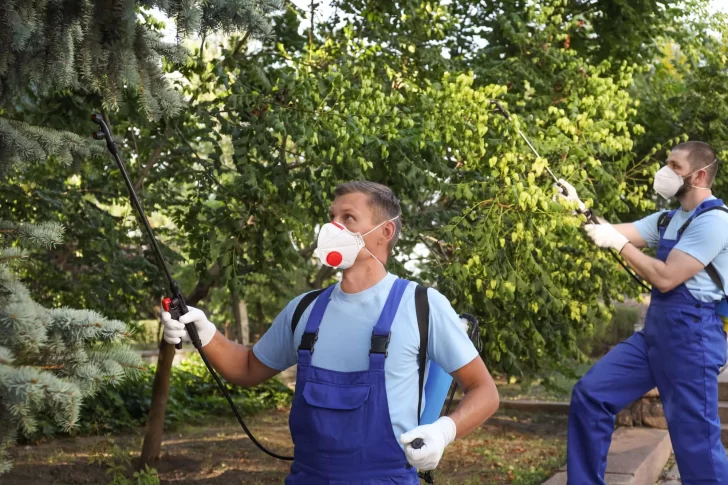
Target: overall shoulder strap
(423, 322)
(301, 307)
(687, 223)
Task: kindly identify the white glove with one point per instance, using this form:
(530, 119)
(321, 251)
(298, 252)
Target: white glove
(570, 193)
(175, 332)
(606, 236)
(436, 437)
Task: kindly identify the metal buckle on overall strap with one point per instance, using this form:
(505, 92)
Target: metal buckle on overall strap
(380, 344)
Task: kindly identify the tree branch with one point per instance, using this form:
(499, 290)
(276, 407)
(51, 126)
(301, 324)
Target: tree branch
(310, 32)
(209, 279)
(439, 252)
(240, 44)
(152, 161)
(295, 165)
(282, 153)
(324, 273)
(306, 253)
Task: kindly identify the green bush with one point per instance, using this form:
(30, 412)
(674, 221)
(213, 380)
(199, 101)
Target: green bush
(145, 334)
(609, 333)
(557, 380)
(193, 395)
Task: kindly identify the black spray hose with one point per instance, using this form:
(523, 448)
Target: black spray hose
(176, 304)
(590, 217)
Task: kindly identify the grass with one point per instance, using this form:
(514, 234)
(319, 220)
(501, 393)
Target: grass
(514, 447)
(511, 448)
(665, 475)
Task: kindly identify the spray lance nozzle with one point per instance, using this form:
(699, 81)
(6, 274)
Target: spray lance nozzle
(586, 212)
(500, 108)
(590, 216)
(507, 116)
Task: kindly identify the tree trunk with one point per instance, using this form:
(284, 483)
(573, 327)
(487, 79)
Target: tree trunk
(160, 391)
(260, 324)
(242, 324)
(160, 388)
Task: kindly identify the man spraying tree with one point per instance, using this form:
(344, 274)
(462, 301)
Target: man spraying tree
(683, 345)
(354, 416)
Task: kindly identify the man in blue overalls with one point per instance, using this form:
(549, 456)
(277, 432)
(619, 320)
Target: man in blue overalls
(682, 345)
(354, 412)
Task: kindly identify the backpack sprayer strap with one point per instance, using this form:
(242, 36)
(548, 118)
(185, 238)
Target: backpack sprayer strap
(301, 307)
(713, 273)
(423, 322)
(664, 221)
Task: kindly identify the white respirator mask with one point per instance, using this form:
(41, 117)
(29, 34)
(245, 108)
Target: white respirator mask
(338, 247)
(667, 182)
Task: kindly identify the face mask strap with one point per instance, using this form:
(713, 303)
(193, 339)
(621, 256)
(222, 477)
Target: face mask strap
(380, 225)
(376, 258)
(698, 170)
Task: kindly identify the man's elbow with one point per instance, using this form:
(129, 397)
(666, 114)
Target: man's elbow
(664, 285)
(239, 375)
(494, 401)
(240, 381)
(489, 397)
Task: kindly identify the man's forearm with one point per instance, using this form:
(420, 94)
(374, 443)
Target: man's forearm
(629, 231)
(228, 358)
(479, 403)
(651, 269)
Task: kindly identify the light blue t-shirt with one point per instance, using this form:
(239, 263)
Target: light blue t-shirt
(345, 337)
(705, 239)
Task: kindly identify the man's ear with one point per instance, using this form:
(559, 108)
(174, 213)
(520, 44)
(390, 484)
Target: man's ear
(388, 231)
(701, 176)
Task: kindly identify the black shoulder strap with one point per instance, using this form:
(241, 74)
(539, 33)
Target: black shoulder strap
(663, 220)
(713, 273)
(423, 322)
(687, 223)
(301, 307)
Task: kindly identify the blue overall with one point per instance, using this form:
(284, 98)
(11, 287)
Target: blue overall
(339, 422)
(680, 350)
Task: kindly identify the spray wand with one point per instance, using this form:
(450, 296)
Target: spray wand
(590, 217)
(175, 304)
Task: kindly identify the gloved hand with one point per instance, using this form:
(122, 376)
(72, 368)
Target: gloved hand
(606, 236)
(436, 437)
(570, 193)
(175, 332)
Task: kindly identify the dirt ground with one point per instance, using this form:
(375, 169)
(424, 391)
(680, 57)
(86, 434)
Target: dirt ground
(511, 448)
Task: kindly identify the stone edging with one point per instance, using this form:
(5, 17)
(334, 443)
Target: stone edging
(636, 456)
